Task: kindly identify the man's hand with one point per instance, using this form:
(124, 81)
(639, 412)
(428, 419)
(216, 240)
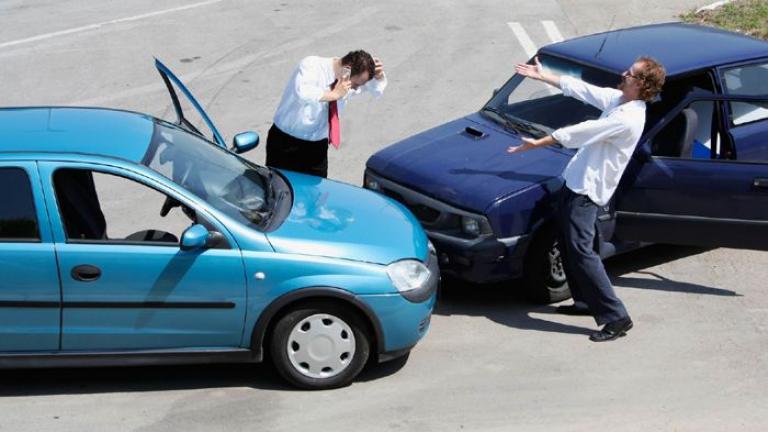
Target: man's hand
(528, 143)
(379, 71)
(531, 71)
(341, 88)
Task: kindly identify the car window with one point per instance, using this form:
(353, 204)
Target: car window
(689, 134)
(18, 220)
(96, 206)
(750, 80)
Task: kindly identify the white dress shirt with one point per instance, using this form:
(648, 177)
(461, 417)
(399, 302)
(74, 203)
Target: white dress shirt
(605, 145)
(301, 114)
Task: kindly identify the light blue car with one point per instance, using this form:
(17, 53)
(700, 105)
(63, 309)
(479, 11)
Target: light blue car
(127, 240)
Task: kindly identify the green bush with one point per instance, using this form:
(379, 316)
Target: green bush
(744, 16)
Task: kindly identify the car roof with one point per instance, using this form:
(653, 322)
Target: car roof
(97, 131)
(681, 48)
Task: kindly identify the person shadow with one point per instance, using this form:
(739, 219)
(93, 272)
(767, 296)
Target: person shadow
(505, 303)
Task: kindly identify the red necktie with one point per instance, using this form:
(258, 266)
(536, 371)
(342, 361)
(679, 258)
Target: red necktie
(334, 131)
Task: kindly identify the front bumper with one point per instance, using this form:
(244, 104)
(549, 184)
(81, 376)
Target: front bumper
(404, 321)
(482, 260)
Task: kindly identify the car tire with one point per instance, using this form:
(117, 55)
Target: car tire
(544, 277)
(319, 346)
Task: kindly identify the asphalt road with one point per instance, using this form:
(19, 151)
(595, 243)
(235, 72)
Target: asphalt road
(694, 361)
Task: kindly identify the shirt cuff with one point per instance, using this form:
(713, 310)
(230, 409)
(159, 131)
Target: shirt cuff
(562, 136)
(377, 86)
(565, 84)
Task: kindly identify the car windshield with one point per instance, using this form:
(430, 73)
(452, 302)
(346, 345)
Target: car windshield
(531, 106)
(229, 183)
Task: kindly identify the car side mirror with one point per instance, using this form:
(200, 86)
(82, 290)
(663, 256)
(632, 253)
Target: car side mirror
(245, 141)
(495, 92)
(194, 237)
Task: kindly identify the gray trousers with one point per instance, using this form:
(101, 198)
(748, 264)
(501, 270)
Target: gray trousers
(587, 279)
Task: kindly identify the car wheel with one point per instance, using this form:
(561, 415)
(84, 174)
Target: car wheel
(319, 346)
(544, 278)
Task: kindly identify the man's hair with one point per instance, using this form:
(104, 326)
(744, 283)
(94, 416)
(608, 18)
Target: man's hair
(652, 77)
(359, 61)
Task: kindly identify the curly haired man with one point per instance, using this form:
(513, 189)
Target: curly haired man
(591, 177)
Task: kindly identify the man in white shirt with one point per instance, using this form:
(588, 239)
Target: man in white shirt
(591, 177)
(312, 100)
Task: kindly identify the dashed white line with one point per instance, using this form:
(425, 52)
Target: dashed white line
(101, 24)
(552, 31)
(523, 38)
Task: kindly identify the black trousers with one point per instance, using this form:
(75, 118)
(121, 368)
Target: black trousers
(587, 279)
(287, 152)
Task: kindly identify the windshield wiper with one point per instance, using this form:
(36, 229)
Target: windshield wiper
(499, 117)
(514, 123)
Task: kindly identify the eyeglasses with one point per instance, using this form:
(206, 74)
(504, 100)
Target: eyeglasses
(627, 73)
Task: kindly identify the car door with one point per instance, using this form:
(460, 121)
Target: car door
(700, 188)
(126, 284)
(29, 280)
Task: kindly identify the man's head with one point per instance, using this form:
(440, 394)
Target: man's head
(643, 80)
(362, 65)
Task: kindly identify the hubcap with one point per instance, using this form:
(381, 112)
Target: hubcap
(321, 346)
(556, 270)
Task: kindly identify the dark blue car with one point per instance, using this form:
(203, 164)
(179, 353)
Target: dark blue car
(699, 175)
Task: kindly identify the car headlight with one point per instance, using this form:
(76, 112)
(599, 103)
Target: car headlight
(408, 275)
(470, 226)
(371, 183)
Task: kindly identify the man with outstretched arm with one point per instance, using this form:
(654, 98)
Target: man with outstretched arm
(605, 146)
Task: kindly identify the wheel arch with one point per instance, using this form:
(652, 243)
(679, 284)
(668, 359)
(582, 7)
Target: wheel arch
(288, 301)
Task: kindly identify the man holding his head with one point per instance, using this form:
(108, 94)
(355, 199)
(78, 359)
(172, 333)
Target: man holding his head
(307, 119)
(605, 147)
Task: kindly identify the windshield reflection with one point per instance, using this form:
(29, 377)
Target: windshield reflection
(227, 182)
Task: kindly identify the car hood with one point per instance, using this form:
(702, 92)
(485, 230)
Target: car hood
(452, 164)
(333, 219)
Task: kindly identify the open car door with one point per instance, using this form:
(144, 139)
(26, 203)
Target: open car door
(718, 197)
(173, 83)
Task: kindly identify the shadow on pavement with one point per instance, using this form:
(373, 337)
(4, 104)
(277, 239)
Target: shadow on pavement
(504, 303)
(501, 303)
(262, 376)
(651, 256)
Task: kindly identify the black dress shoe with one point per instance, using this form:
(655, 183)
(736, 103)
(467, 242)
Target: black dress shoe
(612, 330)
(574, 309)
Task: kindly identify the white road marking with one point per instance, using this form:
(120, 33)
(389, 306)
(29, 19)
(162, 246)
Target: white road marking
(523, 38)
(101, 24)
(713, 6)
(552, 31)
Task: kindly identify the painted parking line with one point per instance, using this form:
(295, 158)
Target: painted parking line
(523, 38)
(530, 47)
(102, 24)
(551, 28)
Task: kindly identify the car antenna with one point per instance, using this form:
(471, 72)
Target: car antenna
(605, 38)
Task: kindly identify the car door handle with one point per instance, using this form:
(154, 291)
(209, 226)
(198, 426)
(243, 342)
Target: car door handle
(86, 273)
(760, 182)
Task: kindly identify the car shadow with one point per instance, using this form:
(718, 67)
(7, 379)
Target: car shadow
(95, 380)
(505, 304)
(92, 380)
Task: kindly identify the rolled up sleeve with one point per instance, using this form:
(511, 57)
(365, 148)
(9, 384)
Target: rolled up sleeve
(590, 132)
(376, 86)
(307, 84)
(599, 97)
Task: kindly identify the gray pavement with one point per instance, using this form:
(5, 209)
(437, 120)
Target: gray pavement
(695, 360)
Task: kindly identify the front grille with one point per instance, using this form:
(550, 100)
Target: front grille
(424, 213)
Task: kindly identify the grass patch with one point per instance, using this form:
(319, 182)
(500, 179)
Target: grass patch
(744, 16)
